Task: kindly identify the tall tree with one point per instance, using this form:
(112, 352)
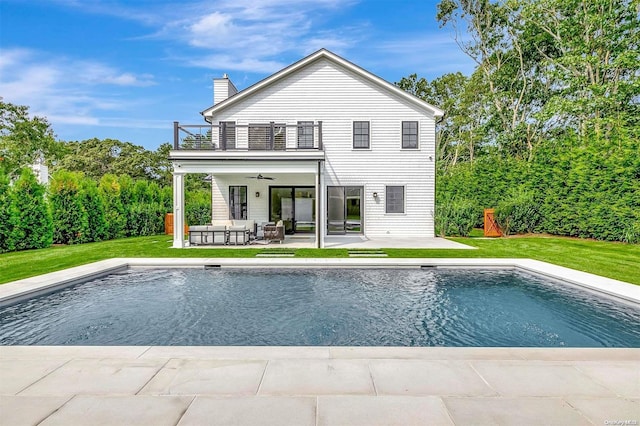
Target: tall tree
(24, 139)
(31, 218)
(459, 131)
(98, 157)
(590, 51)
(70, 221)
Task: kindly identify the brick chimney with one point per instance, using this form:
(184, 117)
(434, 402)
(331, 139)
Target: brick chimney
(223, 88)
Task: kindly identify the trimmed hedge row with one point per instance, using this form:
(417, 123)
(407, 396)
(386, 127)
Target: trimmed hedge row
(587, 189)
(76, 209)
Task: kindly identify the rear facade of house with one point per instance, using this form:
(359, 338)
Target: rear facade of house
(323, 145)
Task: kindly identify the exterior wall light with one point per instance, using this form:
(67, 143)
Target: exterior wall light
(375, 195)
(257, 194)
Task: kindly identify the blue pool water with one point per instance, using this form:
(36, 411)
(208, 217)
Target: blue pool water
(354, 307)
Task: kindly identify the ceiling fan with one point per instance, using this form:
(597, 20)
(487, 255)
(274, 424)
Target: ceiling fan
(260, 177)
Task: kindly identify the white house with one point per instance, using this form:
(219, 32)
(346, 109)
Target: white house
(324, 145)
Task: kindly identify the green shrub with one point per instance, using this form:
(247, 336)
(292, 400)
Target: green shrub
(145, 219)
(456, 217)
(109, 189)
(198, 207)
(6, 219)
(31, 218)
(518, 213)
(70, 222)
(94, 209)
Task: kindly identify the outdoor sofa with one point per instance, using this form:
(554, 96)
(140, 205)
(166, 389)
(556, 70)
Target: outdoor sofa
(222, 232)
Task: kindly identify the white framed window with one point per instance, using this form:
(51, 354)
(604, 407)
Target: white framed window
(394, 199)
(305, 134)
(238, 202)
(361, 135)
(409, 135)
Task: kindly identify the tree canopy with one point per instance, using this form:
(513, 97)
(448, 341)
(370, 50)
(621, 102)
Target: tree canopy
(24, 139)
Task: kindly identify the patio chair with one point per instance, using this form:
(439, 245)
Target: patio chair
(274, 232)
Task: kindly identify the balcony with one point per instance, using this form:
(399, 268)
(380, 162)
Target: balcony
(231, 137)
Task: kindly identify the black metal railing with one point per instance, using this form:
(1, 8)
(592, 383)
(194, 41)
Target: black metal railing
(228, 136)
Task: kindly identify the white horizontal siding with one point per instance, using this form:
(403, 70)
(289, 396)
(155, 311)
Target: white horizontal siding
(326, 92)
(257, 207)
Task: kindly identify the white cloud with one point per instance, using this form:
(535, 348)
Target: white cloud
(233, 63)
(255, 35)
(48, 86)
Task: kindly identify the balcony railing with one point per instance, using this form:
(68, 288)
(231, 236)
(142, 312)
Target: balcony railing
(228, 136)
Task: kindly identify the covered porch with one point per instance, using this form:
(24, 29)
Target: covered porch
(260, 191)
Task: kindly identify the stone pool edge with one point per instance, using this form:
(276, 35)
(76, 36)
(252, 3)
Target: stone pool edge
(17, 291)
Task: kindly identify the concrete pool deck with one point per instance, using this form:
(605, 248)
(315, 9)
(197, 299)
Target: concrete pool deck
(152, 385)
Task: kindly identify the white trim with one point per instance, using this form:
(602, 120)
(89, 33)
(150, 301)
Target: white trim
(178, 210)
(321, 54)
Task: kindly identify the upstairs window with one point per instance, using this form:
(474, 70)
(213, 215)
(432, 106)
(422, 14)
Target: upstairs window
(238, 202)
(227, 135)
(409, 134)
(305, 134)
(361, 134)
(394, 199)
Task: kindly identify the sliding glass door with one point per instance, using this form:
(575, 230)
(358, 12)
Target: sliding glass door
(295, 206)
(344, 209)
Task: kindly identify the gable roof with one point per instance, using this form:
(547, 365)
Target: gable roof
(321, 54)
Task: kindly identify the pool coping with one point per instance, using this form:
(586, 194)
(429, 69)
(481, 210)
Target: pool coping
(17, 291)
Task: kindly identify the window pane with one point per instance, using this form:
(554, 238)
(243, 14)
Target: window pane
(395, 199)
(238, 202)
(361, 134)
(305, 134)
(409, 134)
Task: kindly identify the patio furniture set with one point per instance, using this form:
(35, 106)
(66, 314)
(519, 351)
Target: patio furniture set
(234, 232)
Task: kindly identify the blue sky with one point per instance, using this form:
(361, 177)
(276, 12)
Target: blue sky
(127, 70)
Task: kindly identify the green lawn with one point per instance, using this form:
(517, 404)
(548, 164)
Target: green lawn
(614, 260)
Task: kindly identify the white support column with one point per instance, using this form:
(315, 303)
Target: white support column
(321, 209)
(178, 210)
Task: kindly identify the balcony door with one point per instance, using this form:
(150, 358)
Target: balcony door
(344, 210)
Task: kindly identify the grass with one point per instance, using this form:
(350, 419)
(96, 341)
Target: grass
(614, 260)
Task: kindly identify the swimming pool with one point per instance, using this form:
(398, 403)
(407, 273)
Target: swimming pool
(335, 307)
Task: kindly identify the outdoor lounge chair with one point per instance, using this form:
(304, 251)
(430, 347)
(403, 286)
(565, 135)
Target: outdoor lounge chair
(274, 232)
(240, 232)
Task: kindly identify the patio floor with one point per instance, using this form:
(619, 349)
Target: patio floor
(151, 385)
(351, 242)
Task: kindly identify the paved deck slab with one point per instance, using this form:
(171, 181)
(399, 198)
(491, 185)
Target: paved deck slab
(317, 377)
(267, 411)
(514, 411)
(94, 376)
(538, 379)
(207, 377)
(262, 385)
(119, 410)
(427, 377)
(382, 410)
